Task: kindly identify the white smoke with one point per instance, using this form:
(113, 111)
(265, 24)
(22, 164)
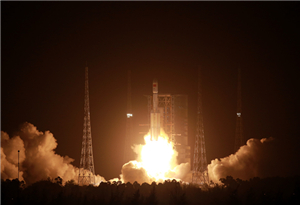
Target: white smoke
(132, 172)
(38, 160)
(258, 158)
(9, 156)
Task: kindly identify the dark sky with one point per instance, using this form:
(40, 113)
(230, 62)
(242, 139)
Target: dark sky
(45, 46)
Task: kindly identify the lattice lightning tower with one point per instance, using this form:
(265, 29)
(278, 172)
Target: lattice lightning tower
(128, 138)
(200, 174)
(86, 174)
(239, 139)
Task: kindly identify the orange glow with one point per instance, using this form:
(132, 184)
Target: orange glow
(157, 157)
(156, 162)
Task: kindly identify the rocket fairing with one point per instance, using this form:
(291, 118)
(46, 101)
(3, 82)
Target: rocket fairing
(155, 114)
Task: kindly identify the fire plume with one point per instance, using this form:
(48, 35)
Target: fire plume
(156, 161)
(157, 157)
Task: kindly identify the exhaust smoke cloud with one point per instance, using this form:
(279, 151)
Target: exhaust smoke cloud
(38, 160)
(267, 157)
(156, 160)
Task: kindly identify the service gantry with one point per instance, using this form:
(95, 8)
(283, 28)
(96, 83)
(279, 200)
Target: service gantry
(86, 174)
(200, 173)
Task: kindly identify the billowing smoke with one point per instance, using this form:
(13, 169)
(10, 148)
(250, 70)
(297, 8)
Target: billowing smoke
(9, 156)
(38, 160)
(132, 172)
(258, 158)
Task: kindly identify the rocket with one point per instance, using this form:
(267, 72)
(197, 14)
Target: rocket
(155, 114)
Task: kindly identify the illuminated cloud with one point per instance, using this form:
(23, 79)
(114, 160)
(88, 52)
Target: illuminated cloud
(38, 160)
(258, 158)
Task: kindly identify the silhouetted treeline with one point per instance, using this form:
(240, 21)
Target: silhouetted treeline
(275, 190)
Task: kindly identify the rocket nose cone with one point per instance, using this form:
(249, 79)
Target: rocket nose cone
(155, 83)
(155, 86)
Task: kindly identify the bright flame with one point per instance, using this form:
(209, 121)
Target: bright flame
(156, 161)
(157, 157)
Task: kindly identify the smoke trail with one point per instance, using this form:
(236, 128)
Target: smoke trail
(38, 160)
(258, 158)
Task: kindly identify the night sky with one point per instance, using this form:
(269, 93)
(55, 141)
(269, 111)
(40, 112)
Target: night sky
(45, 47)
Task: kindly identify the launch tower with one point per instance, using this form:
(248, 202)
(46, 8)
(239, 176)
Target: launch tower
(86, 174)
(200, 174)
(239, 139)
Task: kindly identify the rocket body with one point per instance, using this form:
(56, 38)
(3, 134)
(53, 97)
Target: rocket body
(155, 114)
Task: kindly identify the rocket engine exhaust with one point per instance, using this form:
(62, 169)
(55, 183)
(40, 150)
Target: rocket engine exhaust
(155, 114)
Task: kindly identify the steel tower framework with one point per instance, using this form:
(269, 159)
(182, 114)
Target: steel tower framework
(128, 138)
(239, 139)
(86, 174)
(200, 174)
